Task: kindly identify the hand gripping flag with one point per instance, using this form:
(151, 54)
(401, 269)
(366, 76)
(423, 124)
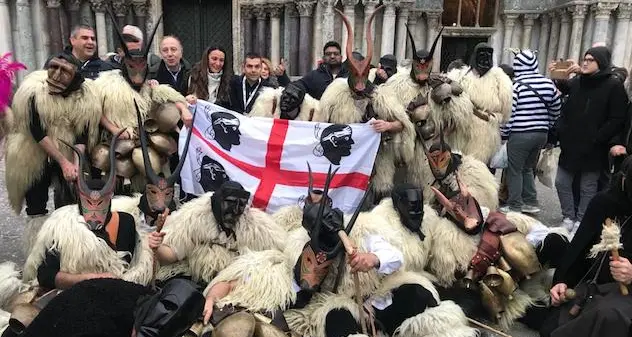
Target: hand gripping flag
(269, 157)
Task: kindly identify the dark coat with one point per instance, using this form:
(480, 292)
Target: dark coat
(89, 69)
(236, 95)
(316, 81)
(160, 73)
(593, 114)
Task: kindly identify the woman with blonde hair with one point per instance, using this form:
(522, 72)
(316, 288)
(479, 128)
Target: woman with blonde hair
(276, 77)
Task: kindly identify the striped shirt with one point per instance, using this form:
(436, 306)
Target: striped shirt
(529, 113)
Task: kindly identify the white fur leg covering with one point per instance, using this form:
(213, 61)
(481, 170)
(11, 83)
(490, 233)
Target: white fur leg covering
(33, 225)
(445, 320)
(538, 286)
(172, 270)
(10, 282)
(4, 321)
(321, 305)
(127, 205)
(514, 309)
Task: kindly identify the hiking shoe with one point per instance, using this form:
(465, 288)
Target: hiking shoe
(530, 209)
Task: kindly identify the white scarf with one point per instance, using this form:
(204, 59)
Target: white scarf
(214, 80)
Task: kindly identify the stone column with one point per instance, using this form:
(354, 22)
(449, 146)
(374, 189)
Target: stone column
(369, 8)
(74, 10)
(579, 14)
(510, 21)
(421, 34)
(413, 25)
(602, 16)
(275, 35)
(98, 6)
(305, 10)
(246, 15)
(259, 41)
(628, 51)
(120, 11)
(328, 21)
(25, 52)
(555, 36)
(621, 35)
(433, 29)
(562, 48)
(140, 14)
(318, 34)
(6, 41)
(292, 23)
(402, 20)
(54, 25)
(41, 35)
(349, 11)
(545, 32)
(388, 28)
(528, 20)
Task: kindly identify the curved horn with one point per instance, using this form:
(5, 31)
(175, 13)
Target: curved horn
(83, 186)
(109, 184)
(149, 41)
(176, 173)
(412, 44)
(355, 67)
(442, 199)
(369, 42)
(118, 30)
(311, 180)
(149, 171)
(434, 46)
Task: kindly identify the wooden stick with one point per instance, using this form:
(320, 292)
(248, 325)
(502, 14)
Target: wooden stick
(160, 222)
(487, 327)
(350, 250)
(615, 254)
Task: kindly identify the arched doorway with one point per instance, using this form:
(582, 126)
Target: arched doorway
(199, 24)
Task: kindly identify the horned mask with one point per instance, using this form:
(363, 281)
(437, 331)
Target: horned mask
(422, 59)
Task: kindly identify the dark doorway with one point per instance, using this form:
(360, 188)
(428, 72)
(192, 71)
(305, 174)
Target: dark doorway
(199, 24)
(453, 48)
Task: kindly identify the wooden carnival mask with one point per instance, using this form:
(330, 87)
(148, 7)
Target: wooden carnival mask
(422, 59)
(61, 75)
(463, 209)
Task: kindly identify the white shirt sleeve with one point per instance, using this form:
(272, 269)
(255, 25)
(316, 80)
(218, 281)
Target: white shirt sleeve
(391, 258)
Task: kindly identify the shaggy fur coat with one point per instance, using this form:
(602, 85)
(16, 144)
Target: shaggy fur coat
(268, 104)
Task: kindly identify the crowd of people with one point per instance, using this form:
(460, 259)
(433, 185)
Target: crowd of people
(429, 251)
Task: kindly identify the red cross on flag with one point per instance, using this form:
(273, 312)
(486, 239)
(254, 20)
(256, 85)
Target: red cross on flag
(269, 157)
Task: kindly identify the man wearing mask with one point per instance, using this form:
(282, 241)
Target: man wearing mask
(82, 53)
(244, 89)
(593, 114)
(316, 81)
(173, 70)
(385, 69)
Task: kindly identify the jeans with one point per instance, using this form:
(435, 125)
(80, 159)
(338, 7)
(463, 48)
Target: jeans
(522, 154)
(588, 186)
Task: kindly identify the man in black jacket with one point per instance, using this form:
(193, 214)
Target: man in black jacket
(173, 70)
(82, 53)
(245, 88)
(316, 81)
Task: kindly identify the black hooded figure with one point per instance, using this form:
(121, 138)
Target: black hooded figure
(482, 58)
(224, 129)
(335, 142)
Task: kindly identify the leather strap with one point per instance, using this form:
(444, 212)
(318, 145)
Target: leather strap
(112, 228)
(487, 254)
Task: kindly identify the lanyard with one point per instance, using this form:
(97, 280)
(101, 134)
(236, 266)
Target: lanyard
(252, 94)
(175, 76)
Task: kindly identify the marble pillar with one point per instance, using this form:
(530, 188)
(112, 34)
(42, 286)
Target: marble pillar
(369, 8)
(628, 50)
(99, 6)
(140, 15)
(562, 48)
(420, 35)
(120, 11)
(275, 33)
(6, 40)
(305, 11)
(349, 11)
(290, 7)
(317, 47)
(154, 12)
(510, 21)
(238, 52)
(41, 38)
(545, 32)
(24, 49)
(528, 20)
(54, 26)
(247, 14)
(328, 22)
(260, 36)
(555, 36)
(433, 30)
(579, 15)
(602, 16)
(402, 20)
(621, 34)
(74, 12)
(413, 23)
(388, 29)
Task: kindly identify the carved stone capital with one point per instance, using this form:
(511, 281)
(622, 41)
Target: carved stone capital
(305, 8)
(603, 10)
(275, 10)
(433, 19)
(98, 6)
(140, 7)
(349, 3)
(529, 19)
(405, 4)
(260, 12)
(370, 4)
(579, 11)
(290, 8)
(545, 19)
(73, 5)
(624, 11)
(564, 17)
(53, 3)
(510, 19)
(328, 3)
(413, 17)
(120, 7)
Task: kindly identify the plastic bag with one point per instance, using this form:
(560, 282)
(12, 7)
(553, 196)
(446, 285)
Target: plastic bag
(500, 160)
(547, 167)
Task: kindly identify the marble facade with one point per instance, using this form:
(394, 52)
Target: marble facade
(297, 29)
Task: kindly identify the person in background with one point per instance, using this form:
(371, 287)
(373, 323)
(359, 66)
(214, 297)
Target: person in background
(134, 39)
(210, 77)
(316, 81)
(173, 69)
(385, 69)
(244, 89)
(276, 76)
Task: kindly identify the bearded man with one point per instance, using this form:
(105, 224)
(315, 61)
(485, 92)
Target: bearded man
(290, 102)
(209, 231)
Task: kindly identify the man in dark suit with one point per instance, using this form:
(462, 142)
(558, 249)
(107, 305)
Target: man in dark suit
(245, 88)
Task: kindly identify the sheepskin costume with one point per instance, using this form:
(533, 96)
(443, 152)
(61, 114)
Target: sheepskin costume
(268, 104)
(310, 320)
(80, 251)
(193, 233)
(453, 249)
(491, 92)
(62, 118)
(289, 217)
(337, 105)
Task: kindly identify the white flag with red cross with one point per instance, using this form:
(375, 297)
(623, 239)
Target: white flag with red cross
(269, 157)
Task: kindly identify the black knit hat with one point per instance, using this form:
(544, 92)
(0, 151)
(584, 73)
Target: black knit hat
(601, 55)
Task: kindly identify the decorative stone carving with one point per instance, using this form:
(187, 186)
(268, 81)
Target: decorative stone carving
(247, 12)
(98, 5)
(305, 8)
(290, 8)
(529, 19)
(349, 3)
(54, 3)
(564, 18)
(510, 19)
(579, 12)
(433, 20)
(120, 7)
(140, 7)
(603, 10)
(624, 11)
(275, 10)
(260, 12)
